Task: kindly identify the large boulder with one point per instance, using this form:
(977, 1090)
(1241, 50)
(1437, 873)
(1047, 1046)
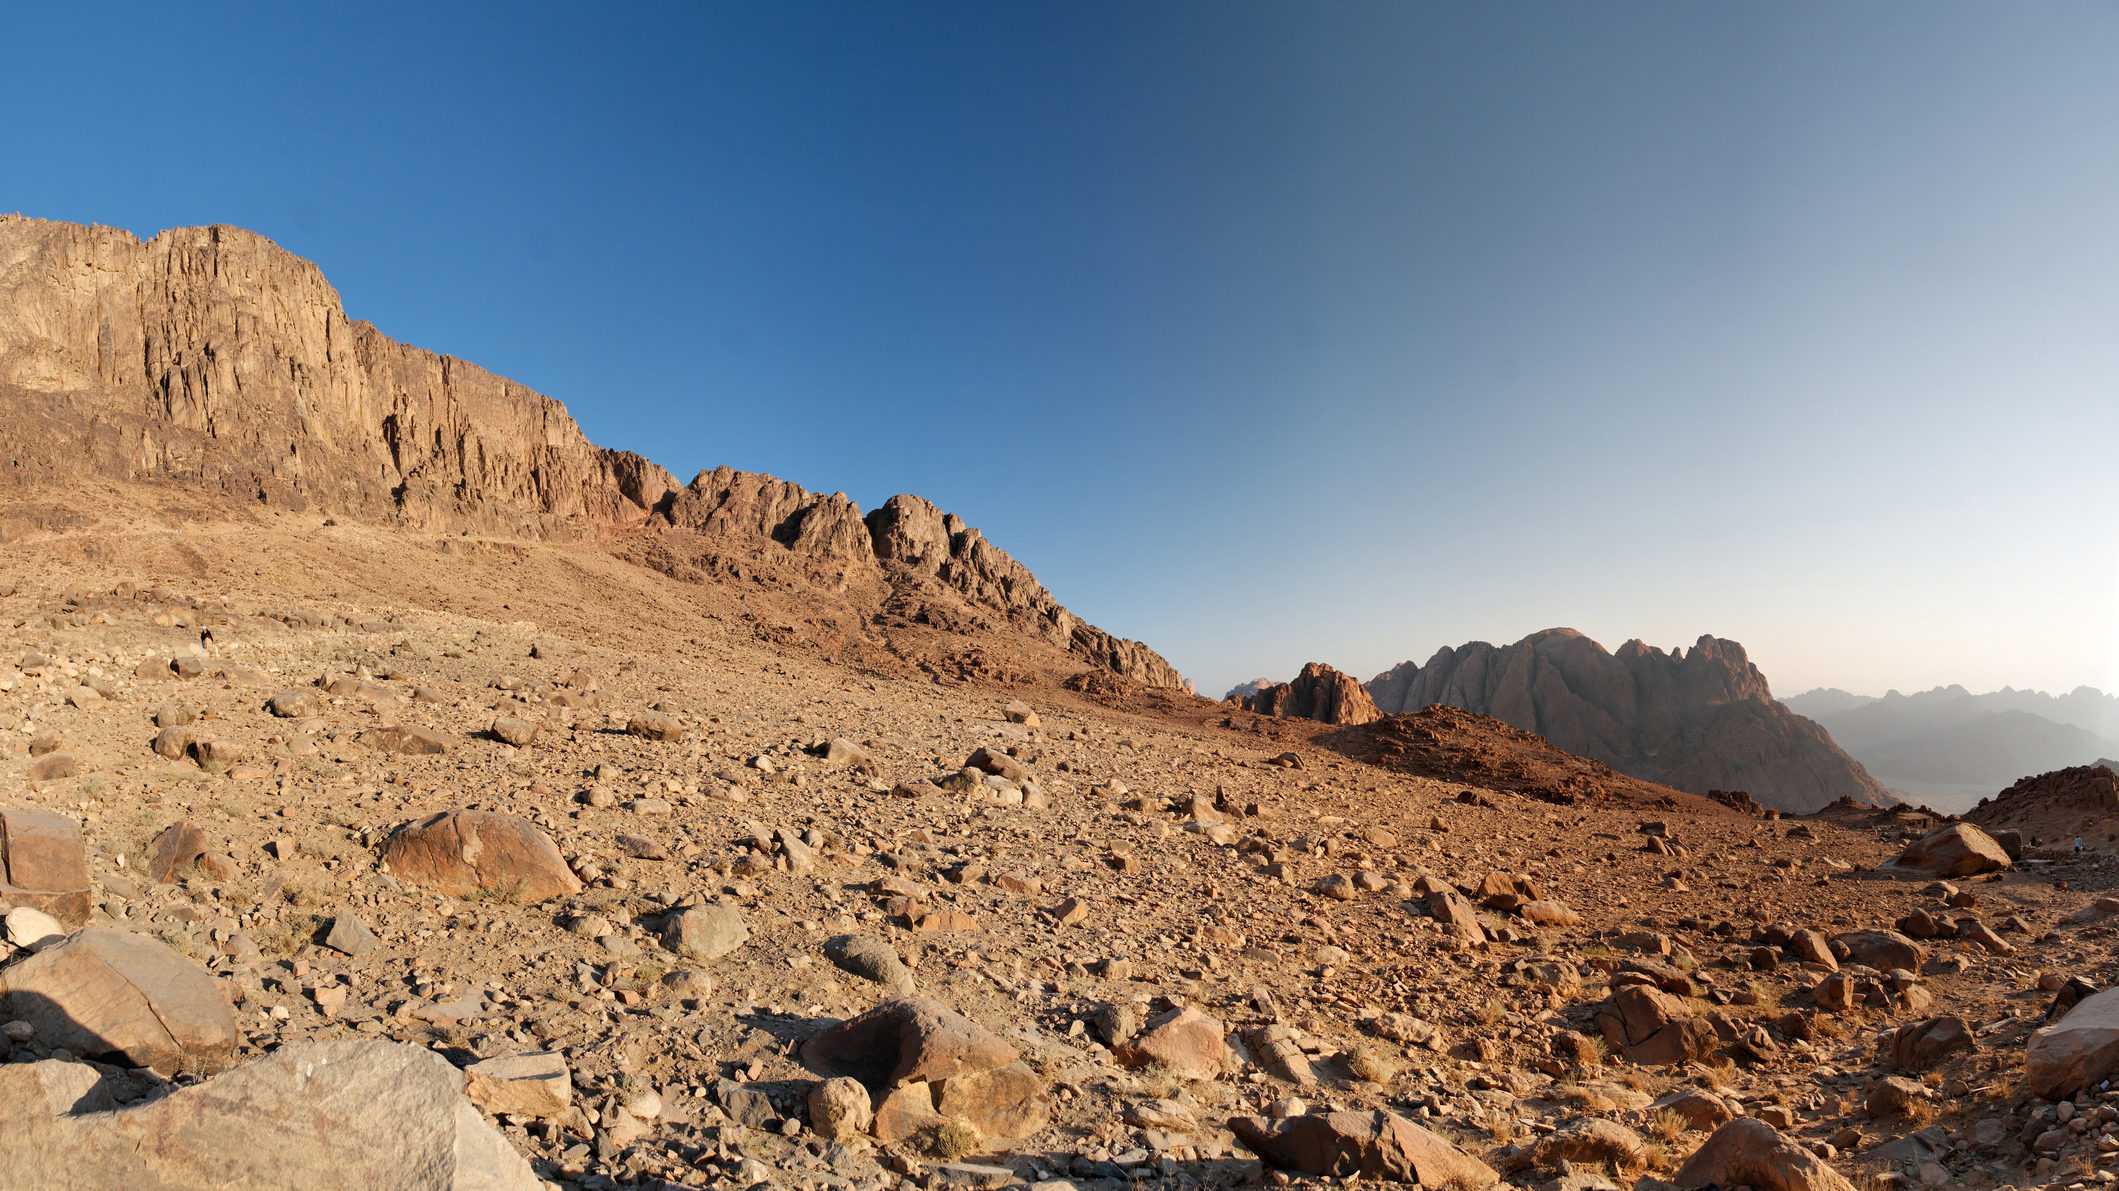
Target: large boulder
(1185, 1042)
(1881, 949)
(2078, 1050)
(323, 1116)
(42, 865)
(462, 853)
(1379, 1144)
(905, 1039)
(1920, 1045)
(1957, 850)
(1747, 1152)
(110, 994)
(705, 932)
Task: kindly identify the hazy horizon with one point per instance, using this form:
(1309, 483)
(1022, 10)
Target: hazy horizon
(1264, 334)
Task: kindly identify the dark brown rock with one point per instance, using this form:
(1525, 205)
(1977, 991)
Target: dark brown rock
(1318, 693)
(905, 1039)
(1380, 1145)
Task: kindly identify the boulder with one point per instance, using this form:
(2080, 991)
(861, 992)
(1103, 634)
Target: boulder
(1456, 915)
(870, 958)
(1881, 949)
(905, 1039)
(53, 768)
(1549, 913)
(532, 1084)
(1751, 1153)
(1600, 1143)
(705, 932)
(349, 935)
(1008, 1101)
(655, 727)
(1381, 1145)
(2077, 1051)
(1185, 1041)
(1701, 1109)
(174, 742)
(1956, 850)
(174, 853)
(905, 1113)
(509, 730)
(302, 702)
(464, 853)
(839, 1109)
(42, 865)
(1920, 1045)
(328, 1116)
(109, 993)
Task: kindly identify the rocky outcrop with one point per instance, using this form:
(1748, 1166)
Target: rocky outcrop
(1318, 693)
(1699, 721)
(211, 358)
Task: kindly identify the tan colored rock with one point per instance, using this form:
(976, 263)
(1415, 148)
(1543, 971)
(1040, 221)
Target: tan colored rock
(1549, 913)
(42, 865)
(1701, 1109)
(839, 1109)
(705, 932)
(1381, 1145)
(511, 731)
(302, 702)
(55, 767)
(1185, 1041)
(111, 993)
(905, 1113)
(1006, 1102)
(1956, 850)
(328, 1116)
(462, 853)
(655, 727)
(532, 1084)
(1920, 1045)
(2077, 1051)
(1750, 1153)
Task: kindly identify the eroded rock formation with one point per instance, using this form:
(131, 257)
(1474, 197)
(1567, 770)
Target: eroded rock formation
(1318, 693)
(1699, 721)
(212, 359)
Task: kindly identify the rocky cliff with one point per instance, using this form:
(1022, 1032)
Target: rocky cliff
(213, 360)
(1699, 721)
(1318, 693)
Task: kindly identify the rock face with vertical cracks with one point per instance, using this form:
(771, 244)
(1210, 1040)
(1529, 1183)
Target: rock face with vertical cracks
(211, 360)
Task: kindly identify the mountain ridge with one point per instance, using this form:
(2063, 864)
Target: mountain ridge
(211, 360)
(1698, 721)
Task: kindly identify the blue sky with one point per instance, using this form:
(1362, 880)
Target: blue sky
(1265, 333)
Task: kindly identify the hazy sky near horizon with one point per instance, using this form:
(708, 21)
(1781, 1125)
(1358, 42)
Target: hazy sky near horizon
(1264, 333)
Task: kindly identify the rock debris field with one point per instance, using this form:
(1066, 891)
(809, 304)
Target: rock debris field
(598, 889)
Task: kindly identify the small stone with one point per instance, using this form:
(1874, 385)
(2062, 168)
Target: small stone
(349, 935)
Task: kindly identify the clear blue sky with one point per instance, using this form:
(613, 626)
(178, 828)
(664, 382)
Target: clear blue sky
(1262, 332)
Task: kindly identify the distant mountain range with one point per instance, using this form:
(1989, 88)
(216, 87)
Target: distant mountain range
(1948, 747)
(1700, 721)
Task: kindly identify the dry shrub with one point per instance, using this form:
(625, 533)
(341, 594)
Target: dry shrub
(1373, 1064)
(1666, 1124)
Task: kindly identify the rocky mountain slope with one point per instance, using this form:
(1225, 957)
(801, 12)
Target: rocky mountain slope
(209, 361)
(1699, 721)
(1949, 747)
(2059, 807)
(574, 880)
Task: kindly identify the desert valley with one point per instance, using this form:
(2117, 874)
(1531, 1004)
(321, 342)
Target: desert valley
(401, 791)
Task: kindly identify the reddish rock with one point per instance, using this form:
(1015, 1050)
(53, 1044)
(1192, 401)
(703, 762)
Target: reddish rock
(904, 1039)
(462, 853)
(1380, 1145)
(1747, 1152)
(1185, 1041)
(42, 865)
(175, 853)
(1318, 693)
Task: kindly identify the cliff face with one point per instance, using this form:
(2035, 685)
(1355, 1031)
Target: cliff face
(1699, 721)
(1318, 693)
(210, 358)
